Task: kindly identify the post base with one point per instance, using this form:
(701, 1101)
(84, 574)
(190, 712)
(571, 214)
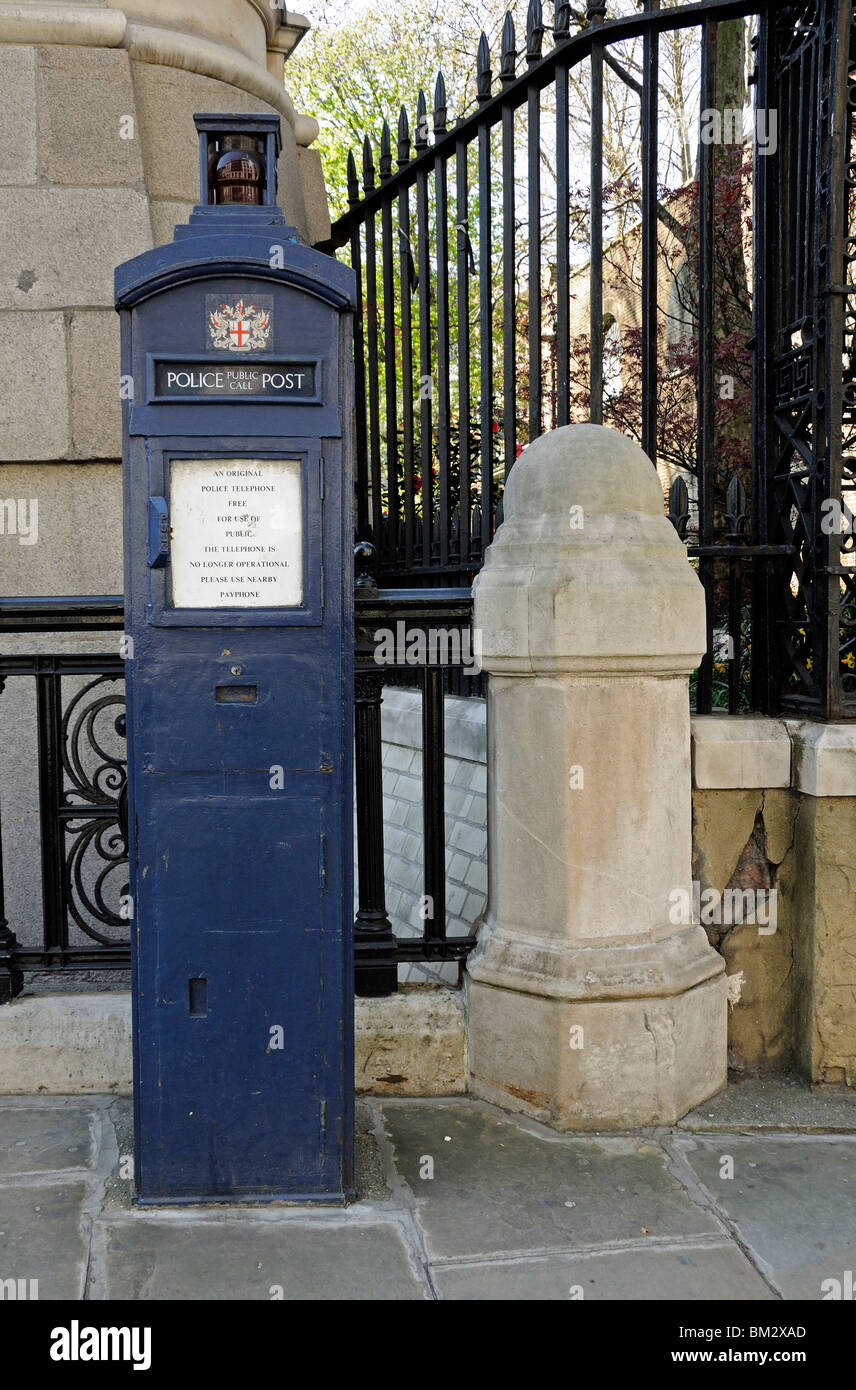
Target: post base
(608, 1064)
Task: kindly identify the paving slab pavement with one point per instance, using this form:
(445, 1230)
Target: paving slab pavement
(792, 1200)
(486, 1185)
(164, 1257)
(456, 1201)
(718, 1272)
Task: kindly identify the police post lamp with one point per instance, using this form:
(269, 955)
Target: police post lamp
(237, 390)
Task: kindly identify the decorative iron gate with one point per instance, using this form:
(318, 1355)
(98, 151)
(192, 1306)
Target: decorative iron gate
(441, 414)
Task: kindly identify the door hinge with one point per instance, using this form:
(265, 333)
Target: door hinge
(322, 861)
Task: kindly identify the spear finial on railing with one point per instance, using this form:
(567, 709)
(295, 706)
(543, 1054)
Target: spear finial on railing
(508, 61)
(483, 74)
(353, 181)
(368, 166)
(440, 109)
(421, 121)
(385, 153)
(736, 510)
(561, 20)
(403, 138)
(679, 506)
(534, 31)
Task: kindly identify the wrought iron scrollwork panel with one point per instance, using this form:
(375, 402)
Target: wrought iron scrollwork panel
(93, 811)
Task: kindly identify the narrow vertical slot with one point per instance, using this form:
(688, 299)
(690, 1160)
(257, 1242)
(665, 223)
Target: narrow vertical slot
(198, 997)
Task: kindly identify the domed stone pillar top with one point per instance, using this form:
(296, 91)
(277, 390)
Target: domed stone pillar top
(586, 572)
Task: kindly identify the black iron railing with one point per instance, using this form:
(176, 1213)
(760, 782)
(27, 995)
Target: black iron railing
(81, 792)
(475, 256)
(81, 788)
(400, 614)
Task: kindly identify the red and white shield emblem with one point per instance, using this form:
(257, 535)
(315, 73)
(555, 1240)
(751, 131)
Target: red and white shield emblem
(239, 325)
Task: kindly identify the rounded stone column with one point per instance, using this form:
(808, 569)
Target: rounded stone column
(592, 1005)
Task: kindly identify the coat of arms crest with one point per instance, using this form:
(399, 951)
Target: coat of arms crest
(240, 326)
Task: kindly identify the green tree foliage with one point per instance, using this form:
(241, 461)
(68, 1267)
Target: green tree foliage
(358, 66)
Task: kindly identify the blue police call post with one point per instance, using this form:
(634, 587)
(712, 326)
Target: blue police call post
(237, 399)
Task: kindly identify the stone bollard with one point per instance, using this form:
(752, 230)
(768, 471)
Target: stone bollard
(593, 1003)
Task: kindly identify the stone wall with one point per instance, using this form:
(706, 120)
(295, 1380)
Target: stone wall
(774, 806)
(98, 161)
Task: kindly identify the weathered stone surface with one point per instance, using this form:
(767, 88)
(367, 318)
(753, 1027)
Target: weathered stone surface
(43, 1237)
(744, 840)
(44, 1140)
(66, 1044)
(480, 1205)
(96, 412)
(34, 407)
(244, 1260)
(166, 215)
(777, 1103)
(639, 1061)
(733, 752)
(824, 758)
(18, 114)
(166, 101)
(84, 99)
(831, 1034)
(498, 1189)
(412, 1044)
(79, 547)
(314, 196)
(718, 1273)
(235, 23)
(798, 991)
(290, 195)
(584, 590)
(591, 1004)
(792, 1201)
(67, 243)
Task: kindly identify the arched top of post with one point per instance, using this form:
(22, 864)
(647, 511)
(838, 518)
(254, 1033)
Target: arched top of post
(583, 465)
(213, 257)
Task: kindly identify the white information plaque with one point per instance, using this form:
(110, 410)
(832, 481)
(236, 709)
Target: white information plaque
(236, 529)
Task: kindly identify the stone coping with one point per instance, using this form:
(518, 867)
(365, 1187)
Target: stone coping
(742, 751)
(729, 752)
(466, 736)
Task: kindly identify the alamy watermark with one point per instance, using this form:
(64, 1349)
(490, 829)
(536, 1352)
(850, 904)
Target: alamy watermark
(726, 128)
(734, 907)
(433, 646)
(20, 518)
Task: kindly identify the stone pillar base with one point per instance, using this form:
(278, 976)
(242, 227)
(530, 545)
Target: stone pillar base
(633, 1062)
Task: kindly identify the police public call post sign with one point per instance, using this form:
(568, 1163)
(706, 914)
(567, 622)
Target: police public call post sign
(237, 390)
